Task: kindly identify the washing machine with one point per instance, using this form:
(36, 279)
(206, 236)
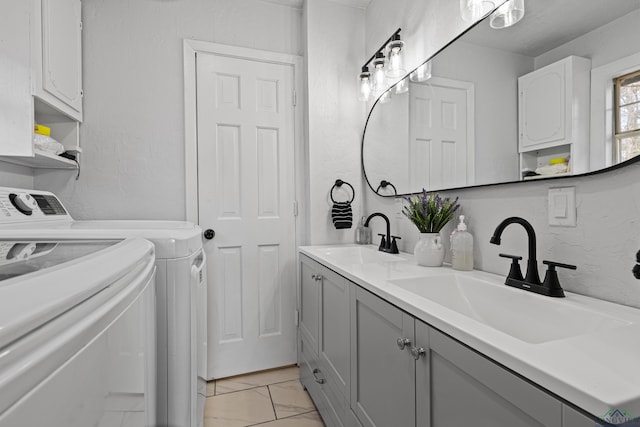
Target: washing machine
(181, 289)
(77, 333)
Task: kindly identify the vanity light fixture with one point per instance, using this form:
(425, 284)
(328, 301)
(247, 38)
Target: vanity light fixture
(507, 15)
(395, 53)
(402, 86)
(379, 79)
(364, 85)
(473, 10)
(374, 82)
(422, 73)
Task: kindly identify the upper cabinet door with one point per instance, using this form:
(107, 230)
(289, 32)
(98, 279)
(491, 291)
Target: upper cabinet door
(543, 106)
(16, 102)
(62, 56)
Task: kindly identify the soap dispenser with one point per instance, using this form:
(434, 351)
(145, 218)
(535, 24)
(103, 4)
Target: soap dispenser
(363, 234)
(462, 248)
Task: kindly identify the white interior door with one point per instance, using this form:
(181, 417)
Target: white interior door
(246, 193)
(439, 146)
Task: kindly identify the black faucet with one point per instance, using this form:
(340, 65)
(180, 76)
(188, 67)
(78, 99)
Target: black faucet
(531, 282)
(387, 243)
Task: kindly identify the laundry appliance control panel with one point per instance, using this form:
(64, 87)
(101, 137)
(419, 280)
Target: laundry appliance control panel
(20, 205)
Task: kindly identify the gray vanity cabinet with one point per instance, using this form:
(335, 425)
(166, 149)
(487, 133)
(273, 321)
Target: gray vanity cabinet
(382, 374)
(367, 363)
(325, 341)
(460, 387)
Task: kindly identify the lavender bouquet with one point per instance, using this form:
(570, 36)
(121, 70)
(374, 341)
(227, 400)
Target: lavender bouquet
(430, 212)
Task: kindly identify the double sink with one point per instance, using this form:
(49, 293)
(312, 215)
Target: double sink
(484, 298)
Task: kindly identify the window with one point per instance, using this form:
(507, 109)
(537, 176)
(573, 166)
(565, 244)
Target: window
(627, 115)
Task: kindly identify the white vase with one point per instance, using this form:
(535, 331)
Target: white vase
(429, 251)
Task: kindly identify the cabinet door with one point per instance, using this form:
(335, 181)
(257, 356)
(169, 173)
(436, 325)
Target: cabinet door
(62, 51)
(335, 343)
(468, 389)
(16, 103)
(382, 375)
(572, 418)
(542, 106)
(310, 279)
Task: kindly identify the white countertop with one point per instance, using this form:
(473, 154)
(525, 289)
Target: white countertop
(597, 370)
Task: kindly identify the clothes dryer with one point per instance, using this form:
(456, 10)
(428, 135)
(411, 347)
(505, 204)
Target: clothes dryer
(181, 290)
(77, 333)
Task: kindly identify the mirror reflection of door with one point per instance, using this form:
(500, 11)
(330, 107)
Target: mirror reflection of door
(441, 134)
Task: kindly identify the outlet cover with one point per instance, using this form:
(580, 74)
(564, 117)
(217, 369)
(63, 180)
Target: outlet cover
(562, 207)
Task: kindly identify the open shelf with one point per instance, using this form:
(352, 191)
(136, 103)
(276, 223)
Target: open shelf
(41, 160)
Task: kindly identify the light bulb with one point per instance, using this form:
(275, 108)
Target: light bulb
(473, 10)
(364, 85)
(402, 86)
(422, 73)
(507, 15)
(395, 53)
(379, 81)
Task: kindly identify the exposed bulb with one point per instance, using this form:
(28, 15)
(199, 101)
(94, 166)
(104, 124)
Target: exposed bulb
(422, 73)
(379, 80)
(473, 10)
(395, 53)
(364, 85)
(402, 86)
(507, 15)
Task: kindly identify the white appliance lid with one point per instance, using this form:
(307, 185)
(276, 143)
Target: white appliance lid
(172, 239)
(60, 276)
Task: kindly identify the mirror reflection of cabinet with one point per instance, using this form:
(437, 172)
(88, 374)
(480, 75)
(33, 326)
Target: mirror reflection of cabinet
(553, 104)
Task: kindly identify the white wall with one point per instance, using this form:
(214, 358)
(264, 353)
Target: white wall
(133, 133)
(604, 243)
(334, 55)
(15, 176)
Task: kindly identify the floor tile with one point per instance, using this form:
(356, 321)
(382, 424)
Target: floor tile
(239, 409)
(244, 382)
(211, 388)
(289, 398)
(310, 419)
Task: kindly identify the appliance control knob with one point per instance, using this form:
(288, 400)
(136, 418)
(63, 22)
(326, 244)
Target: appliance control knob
(24, 202)
(209, 234)
(21, 251)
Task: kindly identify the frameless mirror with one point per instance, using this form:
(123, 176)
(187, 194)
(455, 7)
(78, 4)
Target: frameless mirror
(557, 94)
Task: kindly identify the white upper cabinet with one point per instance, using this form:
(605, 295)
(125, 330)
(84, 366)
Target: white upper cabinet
(549, 99)
(57, 55)
(553, 110)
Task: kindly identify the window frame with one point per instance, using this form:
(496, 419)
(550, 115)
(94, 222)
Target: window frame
(617, 134)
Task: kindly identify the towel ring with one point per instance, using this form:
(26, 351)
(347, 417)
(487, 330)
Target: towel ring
(384, 184)
(339, 183)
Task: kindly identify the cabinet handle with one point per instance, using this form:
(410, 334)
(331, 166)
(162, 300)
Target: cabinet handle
(318, 380)
(403, 342)
(316, 277)
(417, 352)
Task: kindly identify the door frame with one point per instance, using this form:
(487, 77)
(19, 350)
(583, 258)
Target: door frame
(190, 49)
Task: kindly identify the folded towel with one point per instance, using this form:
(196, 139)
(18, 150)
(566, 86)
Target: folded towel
(47, 144)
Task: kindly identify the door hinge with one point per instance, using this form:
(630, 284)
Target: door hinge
(295, 98)
(80, 25)
(295, 208)
(296, 318)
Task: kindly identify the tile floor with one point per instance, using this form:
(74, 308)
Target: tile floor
(272, 398)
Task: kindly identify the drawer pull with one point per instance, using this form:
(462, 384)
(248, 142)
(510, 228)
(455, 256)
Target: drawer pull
(417, 352)
(403, 342)
(315, 376)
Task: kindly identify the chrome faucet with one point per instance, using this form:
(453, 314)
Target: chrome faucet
(387, 243)
(531, 282)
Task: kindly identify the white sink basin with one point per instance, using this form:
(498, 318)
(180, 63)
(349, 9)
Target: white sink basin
(359, 255)
(523, 315)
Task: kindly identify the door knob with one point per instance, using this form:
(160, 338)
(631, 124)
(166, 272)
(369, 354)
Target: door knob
(209, 234)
